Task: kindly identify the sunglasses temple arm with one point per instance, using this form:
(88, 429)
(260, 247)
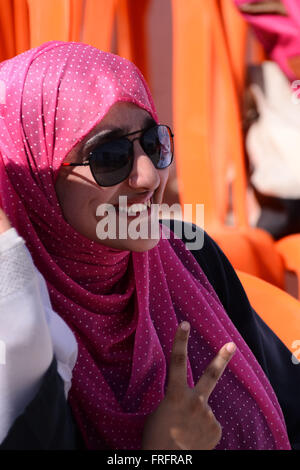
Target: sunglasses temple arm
(75, 164)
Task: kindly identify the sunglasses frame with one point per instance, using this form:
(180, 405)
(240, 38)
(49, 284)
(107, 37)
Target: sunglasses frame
(88, 162)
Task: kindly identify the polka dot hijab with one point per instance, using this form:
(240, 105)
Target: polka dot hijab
(123, 307)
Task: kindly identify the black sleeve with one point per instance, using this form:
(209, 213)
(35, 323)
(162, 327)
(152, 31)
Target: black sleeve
(270, 352)
(46, 423)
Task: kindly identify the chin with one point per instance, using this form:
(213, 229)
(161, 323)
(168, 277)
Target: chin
(136, 241)
(141, 245)
(137, 246)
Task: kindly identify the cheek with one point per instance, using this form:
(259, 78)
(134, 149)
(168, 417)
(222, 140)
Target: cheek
(74, 199)
(164, 175)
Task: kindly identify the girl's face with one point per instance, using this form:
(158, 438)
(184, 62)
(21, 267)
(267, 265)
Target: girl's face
(80, 196)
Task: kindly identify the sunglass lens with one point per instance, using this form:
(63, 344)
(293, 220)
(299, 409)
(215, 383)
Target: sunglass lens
(157, 143)
(111, 163)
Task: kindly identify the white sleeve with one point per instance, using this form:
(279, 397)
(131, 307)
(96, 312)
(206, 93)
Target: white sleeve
(29, 331)
(63, 340)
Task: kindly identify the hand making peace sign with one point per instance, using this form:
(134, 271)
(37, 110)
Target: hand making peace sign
(184, 420)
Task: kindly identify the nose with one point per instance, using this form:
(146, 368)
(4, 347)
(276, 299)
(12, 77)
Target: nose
(143, 174)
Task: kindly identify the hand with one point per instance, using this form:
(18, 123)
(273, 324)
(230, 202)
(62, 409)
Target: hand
(265, 7)
(184, 420)
(4, 222)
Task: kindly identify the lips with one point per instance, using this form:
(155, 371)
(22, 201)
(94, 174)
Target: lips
(135, 206)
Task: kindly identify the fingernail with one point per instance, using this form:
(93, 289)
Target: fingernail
(231, 347)
(185, 326)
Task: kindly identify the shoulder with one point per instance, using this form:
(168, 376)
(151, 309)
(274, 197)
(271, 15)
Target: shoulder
(195, 238)
(211, 259)
(225, 282)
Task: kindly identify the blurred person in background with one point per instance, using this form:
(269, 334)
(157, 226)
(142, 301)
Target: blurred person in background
(272, 115)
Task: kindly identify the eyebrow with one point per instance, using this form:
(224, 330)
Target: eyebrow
(113, 133)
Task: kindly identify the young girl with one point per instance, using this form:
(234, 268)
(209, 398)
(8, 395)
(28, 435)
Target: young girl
(78, 131)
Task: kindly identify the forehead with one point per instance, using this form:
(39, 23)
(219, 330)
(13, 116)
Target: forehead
(123, 116)
(126, 116)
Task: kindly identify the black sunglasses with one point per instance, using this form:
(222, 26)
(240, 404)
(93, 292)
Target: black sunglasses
(112, 161)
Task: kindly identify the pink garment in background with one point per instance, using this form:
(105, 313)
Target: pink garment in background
(123, 307)
(280, 35)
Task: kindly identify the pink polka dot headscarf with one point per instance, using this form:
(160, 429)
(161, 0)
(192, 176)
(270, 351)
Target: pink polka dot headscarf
(123, 307)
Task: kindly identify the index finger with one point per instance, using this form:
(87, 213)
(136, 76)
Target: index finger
(178, 362)
(214, 370)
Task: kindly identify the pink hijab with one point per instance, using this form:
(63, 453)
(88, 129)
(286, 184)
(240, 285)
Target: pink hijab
(280, 35)
(123, 307)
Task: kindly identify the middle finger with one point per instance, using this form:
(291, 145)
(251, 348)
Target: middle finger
(214, 370)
